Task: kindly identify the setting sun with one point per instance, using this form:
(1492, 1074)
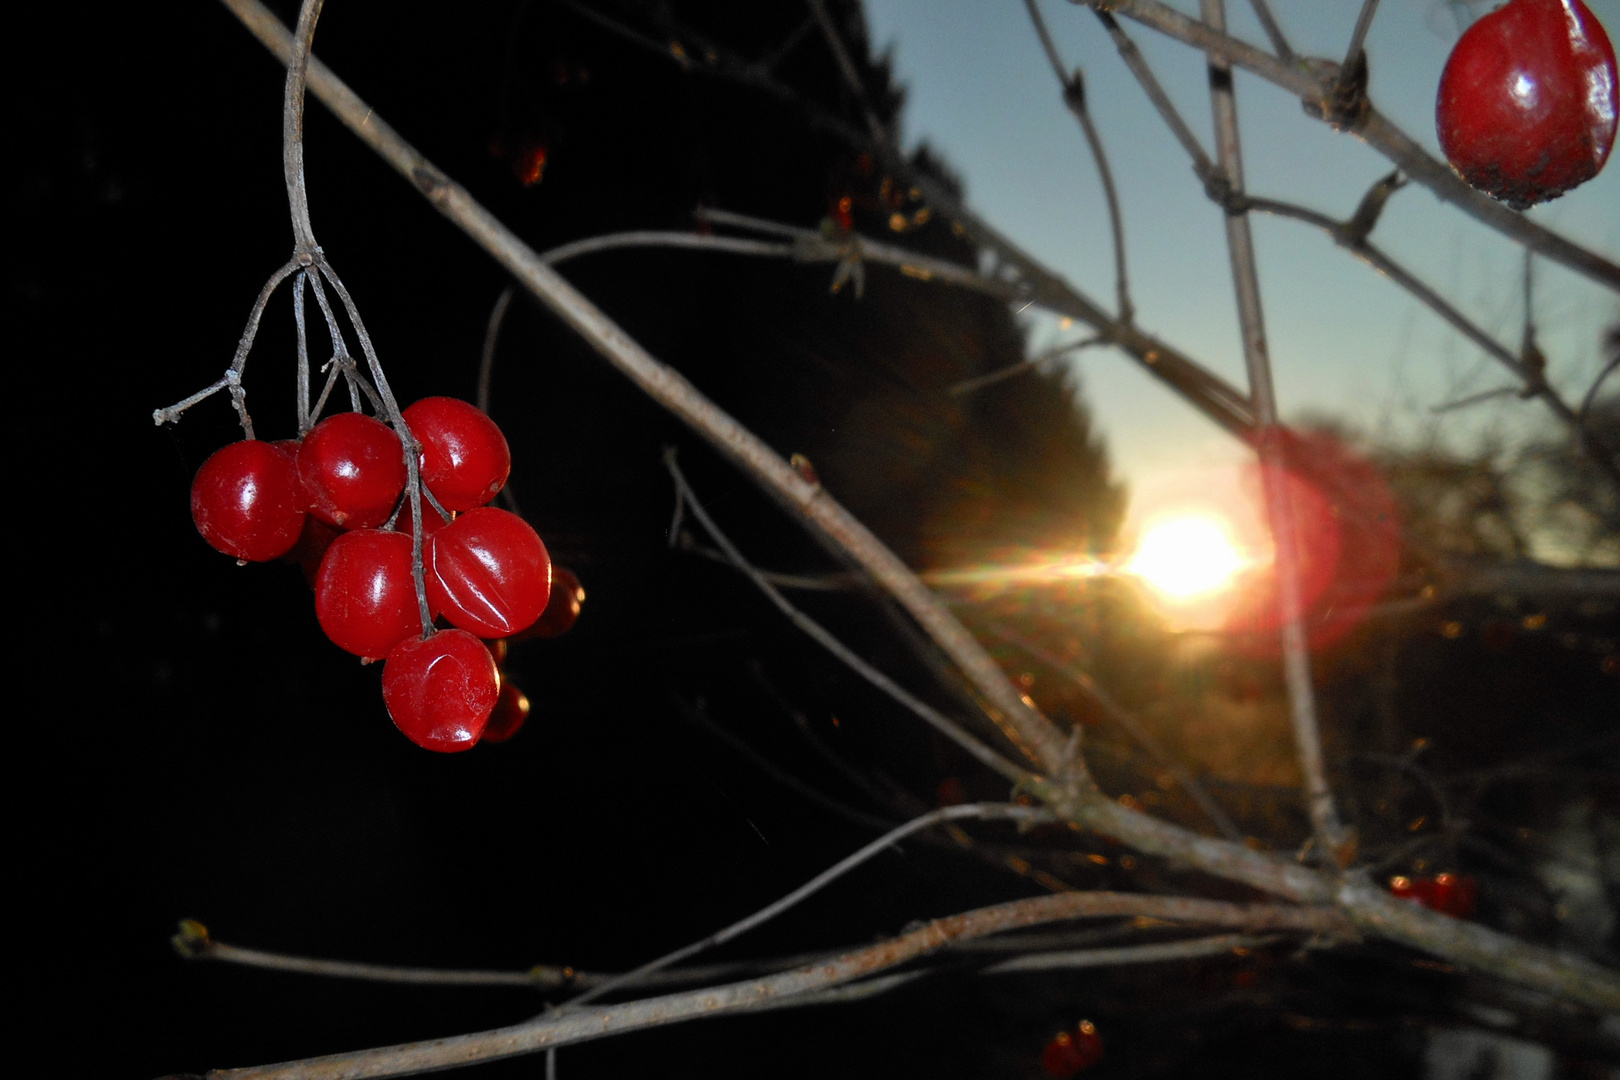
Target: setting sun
(1186, 557)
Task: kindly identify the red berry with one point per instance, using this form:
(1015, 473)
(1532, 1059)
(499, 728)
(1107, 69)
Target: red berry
(465, 459)
(440, 691)
(489, 572)
(246, 501)
(353, 470)
(1070, 1052)
(365, 598)
(511, 710)
(562, 607)
(1526, 108)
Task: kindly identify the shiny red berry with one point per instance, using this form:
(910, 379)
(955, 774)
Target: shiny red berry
(488, 572)
(465, 459)
(511, 710)
(441, 691)
(246, 501)
(562, 608)
(365, 597)
(1526, 108)
(353, 470)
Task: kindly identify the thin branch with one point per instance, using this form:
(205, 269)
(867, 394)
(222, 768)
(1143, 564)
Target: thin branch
(1353, 72)
(696, 715)
(564, 1028)
(233, 374)
(930, 715)
(492, 334)
(1138, 65)
(1279, 42)
(1074, 97)
(1133, 728)
(1352, 236)
(846, 67)
(979, 382)
(1313, 83)
(292, 128)
(972, 811)
(1158, 953)
(1330, 834)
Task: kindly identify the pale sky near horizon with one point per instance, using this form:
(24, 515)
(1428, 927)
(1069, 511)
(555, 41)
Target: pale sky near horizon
(1344, 341)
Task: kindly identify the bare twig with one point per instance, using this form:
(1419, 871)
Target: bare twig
(1133, 728)
(1268, 21)
(1330, 834)
(846, 67)
(972, 811)
(930, 715)
(979, 382)
(492, 334)
(564, 1028)
(1074, 96)
(292, 128)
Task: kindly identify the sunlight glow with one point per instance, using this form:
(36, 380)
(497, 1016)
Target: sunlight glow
(1185, 557)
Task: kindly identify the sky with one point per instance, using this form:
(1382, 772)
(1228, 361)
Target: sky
(1344, 341)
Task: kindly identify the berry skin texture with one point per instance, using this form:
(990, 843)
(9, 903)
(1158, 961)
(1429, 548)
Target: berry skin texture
(465, 459)
(247, 503)
(441, 691)
(488, 572)
(353, 469)
(1526, 108)
(365, 599)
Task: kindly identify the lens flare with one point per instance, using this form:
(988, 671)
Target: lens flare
(1186, 557)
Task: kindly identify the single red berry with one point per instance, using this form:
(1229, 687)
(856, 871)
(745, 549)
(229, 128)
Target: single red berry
(365, 598)
(488, 572)
(1526, 108)
(246, 501)
(497, 649)
(511, 710)
(441, 691)
(562, 607)
(352, 469)
(465, 459)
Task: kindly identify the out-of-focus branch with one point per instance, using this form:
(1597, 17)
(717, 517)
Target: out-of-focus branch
(1330, 834)
(1074, 97)
(1352, 235)
(927, 713)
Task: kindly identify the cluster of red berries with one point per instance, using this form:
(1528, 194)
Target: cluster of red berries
(1070, 1052)
(332, 502)
(1526, 108)
(1449, 894)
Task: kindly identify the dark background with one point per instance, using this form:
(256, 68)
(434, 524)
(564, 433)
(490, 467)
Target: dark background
(191, 746)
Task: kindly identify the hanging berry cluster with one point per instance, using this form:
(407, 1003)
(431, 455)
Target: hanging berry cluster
(389, 520)
(337, 501)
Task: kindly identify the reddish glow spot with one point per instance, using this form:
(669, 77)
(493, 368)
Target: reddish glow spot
(530, 164)
(1449, 894)
(1346, 535)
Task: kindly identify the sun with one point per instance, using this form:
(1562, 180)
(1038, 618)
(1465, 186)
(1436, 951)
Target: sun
(1186, 557)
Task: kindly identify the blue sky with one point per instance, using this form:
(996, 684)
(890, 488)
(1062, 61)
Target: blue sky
(1344, 341)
